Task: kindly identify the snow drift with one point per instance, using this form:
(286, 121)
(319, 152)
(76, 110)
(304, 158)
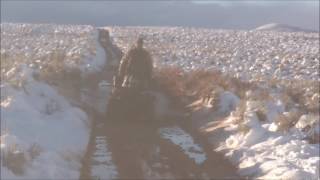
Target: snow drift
(263, 147)
(43, 135)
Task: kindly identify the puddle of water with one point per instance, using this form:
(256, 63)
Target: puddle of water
(102, 165)
(185, 141)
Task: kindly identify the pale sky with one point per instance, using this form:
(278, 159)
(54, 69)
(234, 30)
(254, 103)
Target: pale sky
(214, 14)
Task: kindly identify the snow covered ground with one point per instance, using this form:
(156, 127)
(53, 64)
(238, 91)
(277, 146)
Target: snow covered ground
(265, 136)
(270, 133)
(43, 135)
(264, 149)
(247, 54)
(270, 136)
(36, 122)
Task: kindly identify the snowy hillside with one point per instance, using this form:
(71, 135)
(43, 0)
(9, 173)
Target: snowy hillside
(280, 28)
(43, 135)
(246, 54)
(268, 126)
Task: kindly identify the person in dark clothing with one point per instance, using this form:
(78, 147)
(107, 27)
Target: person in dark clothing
(131, 82)
(135, 68)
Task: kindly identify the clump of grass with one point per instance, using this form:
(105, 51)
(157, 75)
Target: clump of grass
(314, 138)
(304, 93)
(34, 151)
(17, 160)
(14, 159)
(262, 114)
(170, 81)
(196, 84)
(204, 84)
(287, 120)
(238, 114)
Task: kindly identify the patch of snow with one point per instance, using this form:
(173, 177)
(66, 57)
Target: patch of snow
(267, 153)
(40, 116)
(228, 102)
(39, 45)
(179, 137)
(103, 167)
(42, 134)
(306, 120)
(96, 62)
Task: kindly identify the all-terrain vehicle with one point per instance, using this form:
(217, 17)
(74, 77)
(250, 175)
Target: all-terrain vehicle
(128, 103)
(131, 98)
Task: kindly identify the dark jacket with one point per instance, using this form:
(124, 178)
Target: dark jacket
(136, 64)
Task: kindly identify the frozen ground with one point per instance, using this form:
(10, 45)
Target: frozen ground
(267, 135)
(43, 135)
(248, 54)
(37, 121)
(38, 46)
(263, 149)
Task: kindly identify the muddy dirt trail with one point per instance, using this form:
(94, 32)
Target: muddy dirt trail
(131, 151)
(128, 149)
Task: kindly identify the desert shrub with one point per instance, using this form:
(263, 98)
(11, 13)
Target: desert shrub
(262, 114)
(203, 87)
(287, 120)
(203, 82)
(170, 81)
(188, 86)
(303, 93)
(34, 150)
(53, 68)
(239, 87)
(177, 82)
(14, 159)
(238, 114)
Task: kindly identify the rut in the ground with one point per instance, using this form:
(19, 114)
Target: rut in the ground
(131, 150)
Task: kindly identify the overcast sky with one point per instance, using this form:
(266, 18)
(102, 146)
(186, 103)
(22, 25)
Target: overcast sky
(213, 14)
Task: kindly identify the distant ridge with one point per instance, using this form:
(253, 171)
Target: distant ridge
(281, 28)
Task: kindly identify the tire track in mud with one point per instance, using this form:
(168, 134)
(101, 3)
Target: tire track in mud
(127, 151)
(138, 151)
